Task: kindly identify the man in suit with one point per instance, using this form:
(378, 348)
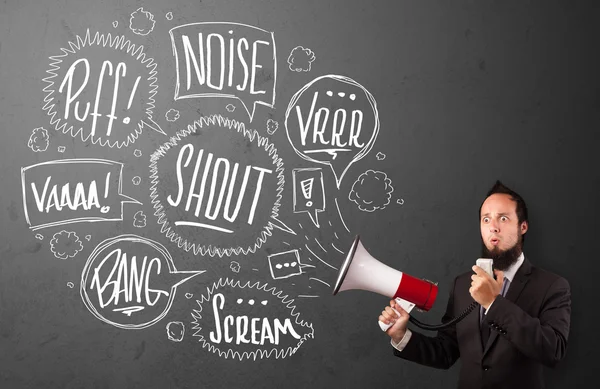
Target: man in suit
(523, 318)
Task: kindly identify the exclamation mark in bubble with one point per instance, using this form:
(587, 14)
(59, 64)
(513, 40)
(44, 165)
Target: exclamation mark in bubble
(307, 186)
(126, 120)
(106, 208)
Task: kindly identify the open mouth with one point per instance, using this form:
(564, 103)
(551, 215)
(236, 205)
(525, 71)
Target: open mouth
(494, 241)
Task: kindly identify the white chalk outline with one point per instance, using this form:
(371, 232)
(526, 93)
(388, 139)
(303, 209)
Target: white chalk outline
(313, 253)
(69, 235)
(119, 43)
(127, 199)
(168, 231)
(321, 281)
(141, 214)
(300, 264)
(259, 353)
(138, 239)
(314, 218)
(151, 18)
(388, 182)
(172, 115)
(30, 142)
(310, 61)
(169, 335)
(340, 213)
(338, 250)
(276, 126)
(363, 151)
(322, 248)
(230, 96)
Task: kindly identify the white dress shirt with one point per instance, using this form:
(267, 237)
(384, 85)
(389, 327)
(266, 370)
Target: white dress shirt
(509, 273)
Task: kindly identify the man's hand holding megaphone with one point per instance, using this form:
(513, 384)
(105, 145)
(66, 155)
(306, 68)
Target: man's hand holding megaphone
(395, 314)
(484, 290)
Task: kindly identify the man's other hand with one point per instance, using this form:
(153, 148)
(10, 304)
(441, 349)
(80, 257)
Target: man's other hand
(399, 320)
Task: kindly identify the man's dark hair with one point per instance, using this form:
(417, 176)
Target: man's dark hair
(499, 187)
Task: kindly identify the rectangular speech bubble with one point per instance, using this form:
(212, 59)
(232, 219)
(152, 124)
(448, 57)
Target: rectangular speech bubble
(309, 192)
(72, 190)
(225, 60)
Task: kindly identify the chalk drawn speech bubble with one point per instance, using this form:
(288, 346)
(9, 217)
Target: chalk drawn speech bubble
(248, 321)
(101, 89)
(332, 120)
(229, 60)
(216, 188)
(309, 192)
(130, 282)
(73, 190)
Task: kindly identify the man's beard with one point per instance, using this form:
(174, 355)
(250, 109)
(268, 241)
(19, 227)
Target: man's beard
(503, 259)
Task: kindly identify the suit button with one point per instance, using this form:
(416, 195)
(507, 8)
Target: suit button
(486, 368)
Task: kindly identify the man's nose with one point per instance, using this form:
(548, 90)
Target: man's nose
(494, 227)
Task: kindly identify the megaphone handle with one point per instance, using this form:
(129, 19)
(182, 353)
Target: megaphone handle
(406, 305)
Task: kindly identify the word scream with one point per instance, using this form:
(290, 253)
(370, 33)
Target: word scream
(247, 330)
(219, 180)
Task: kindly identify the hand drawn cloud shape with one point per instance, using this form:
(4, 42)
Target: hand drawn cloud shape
(96, 78)
(301, 59)
(371, 191)
(39, 140)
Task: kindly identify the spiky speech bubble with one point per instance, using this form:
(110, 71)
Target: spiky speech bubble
(97, 77)
(244, 337)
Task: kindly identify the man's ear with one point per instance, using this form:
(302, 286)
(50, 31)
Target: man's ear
(524, 227)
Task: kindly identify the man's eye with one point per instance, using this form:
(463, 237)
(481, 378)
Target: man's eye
(504, 218)
(485, 219)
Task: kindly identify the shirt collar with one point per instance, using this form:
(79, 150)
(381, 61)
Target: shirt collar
(512, 270)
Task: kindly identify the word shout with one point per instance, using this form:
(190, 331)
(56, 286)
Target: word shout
(219, 186)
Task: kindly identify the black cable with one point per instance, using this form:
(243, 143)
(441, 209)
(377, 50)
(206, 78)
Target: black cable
(455, 320)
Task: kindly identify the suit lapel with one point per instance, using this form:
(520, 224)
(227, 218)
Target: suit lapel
(515, 289)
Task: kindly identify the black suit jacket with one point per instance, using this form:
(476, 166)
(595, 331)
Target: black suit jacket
(529, 329)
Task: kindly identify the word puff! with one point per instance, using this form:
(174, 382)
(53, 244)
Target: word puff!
(92, 86)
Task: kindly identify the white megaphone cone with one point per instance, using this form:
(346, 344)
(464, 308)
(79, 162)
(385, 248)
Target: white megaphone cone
(361, 271)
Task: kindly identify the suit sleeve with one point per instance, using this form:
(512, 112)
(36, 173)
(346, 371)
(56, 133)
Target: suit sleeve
(441, 351)
(542, 338)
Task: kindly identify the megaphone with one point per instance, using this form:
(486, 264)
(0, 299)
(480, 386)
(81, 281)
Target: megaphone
(361, 271)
